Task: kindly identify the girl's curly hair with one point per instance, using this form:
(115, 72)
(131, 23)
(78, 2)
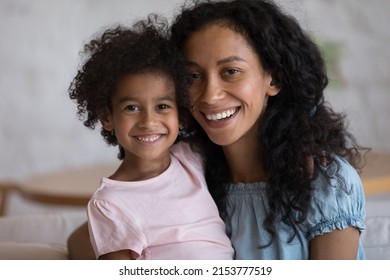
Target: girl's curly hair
(297, 123)
(120, 51)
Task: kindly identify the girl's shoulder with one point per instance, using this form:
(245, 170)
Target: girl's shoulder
(186, 154)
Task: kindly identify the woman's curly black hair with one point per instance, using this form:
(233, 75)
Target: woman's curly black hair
(297, 124)
(117, 52)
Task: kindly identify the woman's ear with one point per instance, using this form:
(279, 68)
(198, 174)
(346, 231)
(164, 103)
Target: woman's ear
(106, 120)
(272, 88)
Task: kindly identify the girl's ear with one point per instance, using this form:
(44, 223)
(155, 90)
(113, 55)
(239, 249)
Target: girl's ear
(106, 120)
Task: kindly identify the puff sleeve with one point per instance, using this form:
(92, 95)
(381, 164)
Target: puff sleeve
(337, 203)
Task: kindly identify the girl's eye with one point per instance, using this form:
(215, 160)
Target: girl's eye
(162, 107)
(132, 108)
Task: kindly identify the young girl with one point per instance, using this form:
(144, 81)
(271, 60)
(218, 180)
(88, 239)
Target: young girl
(156, 205)
(278, 158)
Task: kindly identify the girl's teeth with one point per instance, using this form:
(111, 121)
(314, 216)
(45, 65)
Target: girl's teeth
(220, 116)
(149, 139)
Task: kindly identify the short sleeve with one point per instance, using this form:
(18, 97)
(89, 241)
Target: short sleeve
(111, 230)
(337, 203)
(184, 153)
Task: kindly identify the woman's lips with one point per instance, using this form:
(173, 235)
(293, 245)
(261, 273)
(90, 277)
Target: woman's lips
(221, 115)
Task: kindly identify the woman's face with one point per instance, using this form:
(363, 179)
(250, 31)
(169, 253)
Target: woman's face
(229, 88)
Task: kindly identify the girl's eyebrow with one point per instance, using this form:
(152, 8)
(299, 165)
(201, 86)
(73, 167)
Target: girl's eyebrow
(126, 99)
(167, 97)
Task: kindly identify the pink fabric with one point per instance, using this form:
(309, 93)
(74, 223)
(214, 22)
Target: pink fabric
(171, 216)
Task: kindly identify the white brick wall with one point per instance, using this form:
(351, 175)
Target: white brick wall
(40, 41)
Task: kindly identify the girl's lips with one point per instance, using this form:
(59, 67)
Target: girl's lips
(149, 138)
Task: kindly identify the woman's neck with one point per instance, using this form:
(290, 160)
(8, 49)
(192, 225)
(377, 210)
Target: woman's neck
(244, 161)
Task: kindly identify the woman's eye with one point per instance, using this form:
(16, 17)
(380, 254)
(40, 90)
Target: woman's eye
(194, 76)
(231, 71)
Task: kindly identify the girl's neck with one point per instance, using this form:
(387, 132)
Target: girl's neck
(136, 169)
(244, 160)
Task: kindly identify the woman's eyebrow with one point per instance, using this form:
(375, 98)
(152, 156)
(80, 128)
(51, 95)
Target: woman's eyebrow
(191, 63)
(219, 62)
(230, 59)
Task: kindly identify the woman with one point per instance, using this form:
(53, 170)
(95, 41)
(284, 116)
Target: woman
(279, 161)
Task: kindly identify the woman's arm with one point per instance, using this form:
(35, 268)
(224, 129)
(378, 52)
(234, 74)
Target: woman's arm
(335, 245)
(120, 255)
(79, 245)
(80, 248)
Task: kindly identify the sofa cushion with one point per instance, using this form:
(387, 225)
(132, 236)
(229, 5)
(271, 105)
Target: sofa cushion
(37, 236)
(32, 251)
(376, 238)
(40, 228)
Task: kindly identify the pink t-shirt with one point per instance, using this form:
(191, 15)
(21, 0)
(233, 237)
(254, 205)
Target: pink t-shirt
(171, 216)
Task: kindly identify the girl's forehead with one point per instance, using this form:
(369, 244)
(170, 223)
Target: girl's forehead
(145, 84)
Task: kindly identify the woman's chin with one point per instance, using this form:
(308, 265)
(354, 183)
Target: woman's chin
(220, 139)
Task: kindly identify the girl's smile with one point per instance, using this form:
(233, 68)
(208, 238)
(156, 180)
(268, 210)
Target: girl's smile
(144, 117)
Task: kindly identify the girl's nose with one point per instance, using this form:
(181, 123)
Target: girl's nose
(148, 119)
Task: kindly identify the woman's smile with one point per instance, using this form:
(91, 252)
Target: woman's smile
(229, 87)
(222, 115)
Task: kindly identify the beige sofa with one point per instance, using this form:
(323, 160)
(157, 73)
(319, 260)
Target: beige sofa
(37, 236)
(44, 236)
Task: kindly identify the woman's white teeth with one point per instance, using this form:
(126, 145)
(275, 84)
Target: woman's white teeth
(220, 116)
(149, 139)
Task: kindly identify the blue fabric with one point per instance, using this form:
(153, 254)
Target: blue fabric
(334, 206)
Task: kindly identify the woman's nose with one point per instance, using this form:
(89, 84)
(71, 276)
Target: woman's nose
(211, 91)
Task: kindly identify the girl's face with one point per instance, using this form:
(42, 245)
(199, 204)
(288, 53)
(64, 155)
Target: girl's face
(144, 116)
(229, 88)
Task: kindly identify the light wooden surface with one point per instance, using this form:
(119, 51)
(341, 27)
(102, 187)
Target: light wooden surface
(5, 189)
(75, 186)
(66, 187)
(376, 174)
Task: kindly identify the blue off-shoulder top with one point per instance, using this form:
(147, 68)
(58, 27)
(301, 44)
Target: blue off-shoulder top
(337, 203)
